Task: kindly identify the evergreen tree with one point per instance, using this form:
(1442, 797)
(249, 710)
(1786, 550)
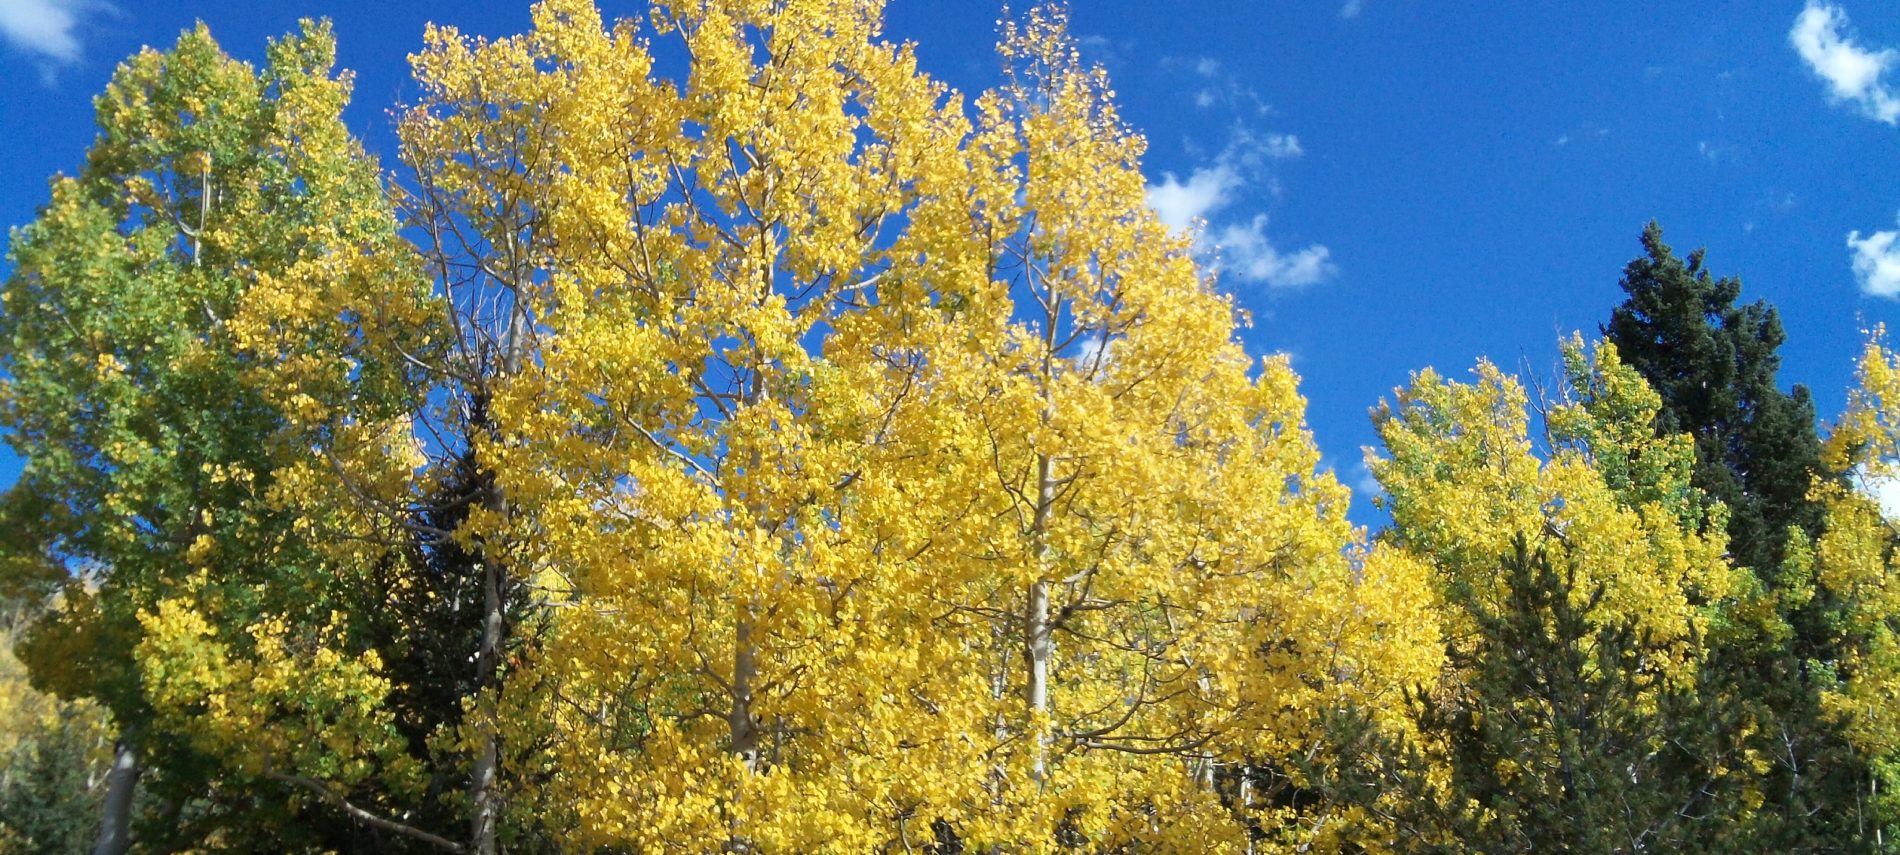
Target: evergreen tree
(1575, 592)
(1757, 455)
(1562, 738)
(1714, 364)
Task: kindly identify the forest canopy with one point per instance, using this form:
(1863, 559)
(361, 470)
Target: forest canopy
(787, 452)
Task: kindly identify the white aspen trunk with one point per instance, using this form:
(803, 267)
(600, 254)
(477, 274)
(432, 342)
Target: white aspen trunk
(741, 720)
(1040, 645)
(745, 670)
(115, 820)
(484, 801)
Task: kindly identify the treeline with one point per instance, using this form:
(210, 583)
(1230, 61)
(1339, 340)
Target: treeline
(796, 455)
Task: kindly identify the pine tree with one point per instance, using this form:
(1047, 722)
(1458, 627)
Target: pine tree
(1757, 456)
(1714, 364)
(1563, 739)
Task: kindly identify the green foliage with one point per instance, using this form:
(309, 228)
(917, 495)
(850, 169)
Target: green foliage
(1713, 363)
(212, 298)
(1564, 737)
(1757, 459)
(51, 753)
(47, 801)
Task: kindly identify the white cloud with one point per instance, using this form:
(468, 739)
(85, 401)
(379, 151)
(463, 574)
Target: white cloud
(1248, 149)
(47, 28)
(1853, 73)
(1583, 133)
(1351, 9)
(1886, 492)
(1180, 204)
(1096, 48)
(1365, 483)
(1093, 353)
(1237, 248)
(1877, 262)
(1213, 85)
(1280, 146)
(1244, 252)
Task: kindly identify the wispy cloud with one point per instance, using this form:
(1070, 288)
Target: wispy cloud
(1364, 483)
(1111, 54)
(1855, 75)
(1244, 252)
(1239, 249)
(1182, 204)
(1877, 263)
(1214, 86)
(1232, 242)
(1351, 9)
(1581, 133)
(48, 29)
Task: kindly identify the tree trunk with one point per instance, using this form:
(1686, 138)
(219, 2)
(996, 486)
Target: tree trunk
(741, 720)
(484, 801)
(745, 669)
(115, 822)
(484, 795)
(1040, 646)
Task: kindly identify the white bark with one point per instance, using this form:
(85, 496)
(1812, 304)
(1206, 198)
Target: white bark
(484, 800)
(1040, 644)
(745, 669)
(741, 719)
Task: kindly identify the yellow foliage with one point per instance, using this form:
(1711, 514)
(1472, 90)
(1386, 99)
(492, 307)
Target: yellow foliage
(891, 464)
(1465, 484)
(1855, 557)
(274, 699)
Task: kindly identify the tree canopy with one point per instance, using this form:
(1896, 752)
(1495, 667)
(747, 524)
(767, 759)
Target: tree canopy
(720, 435)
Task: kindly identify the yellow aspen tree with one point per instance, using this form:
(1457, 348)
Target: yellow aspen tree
(1854, 562)
(682, 246)
(892, 472)
(1464, 482)
(1159, 566)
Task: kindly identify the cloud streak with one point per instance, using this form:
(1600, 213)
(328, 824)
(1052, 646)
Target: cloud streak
(1855, 75)
(1208, 189)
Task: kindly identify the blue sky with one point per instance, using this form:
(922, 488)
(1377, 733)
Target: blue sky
(1385, 185)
